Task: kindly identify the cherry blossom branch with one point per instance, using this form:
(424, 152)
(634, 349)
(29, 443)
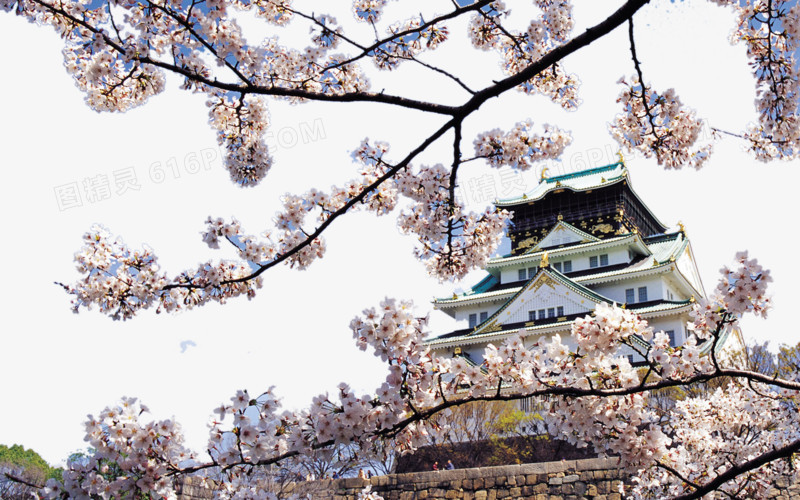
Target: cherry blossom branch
(17, 479)
(245, 89)
(391, 172)
(421, 415)
(366, 50)
(190, 28)
(735, 471)
(644, 96)
(441, 71)
(453, 181)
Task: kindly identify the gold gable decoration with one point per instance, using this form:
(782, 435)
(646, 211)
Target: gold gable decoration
(492, 327)
(545, 262)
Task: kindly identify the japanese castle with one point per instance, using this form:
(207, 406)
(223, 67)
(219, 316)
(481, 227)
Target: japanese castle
(576, 240)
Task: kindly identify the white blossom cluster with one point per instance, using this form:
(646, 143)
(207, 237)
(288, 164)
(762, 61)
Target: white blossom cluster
(732, 425)
(519, 50)
(771, 30)
(132, 454)
(520, 147)
(452, 242)
(658, 125)
(121, 282)
(404, 47)
(240, 124)
(739, 291)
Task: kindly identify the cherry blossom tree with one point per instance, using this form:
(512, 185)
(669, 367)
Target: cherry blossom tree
(119, 53)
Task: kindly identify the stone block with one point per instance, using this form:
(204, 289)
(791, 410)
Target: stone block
(354, 482)
(571, 478)
(481, 495)
(555, 467)
(555, 481)
(539, 468)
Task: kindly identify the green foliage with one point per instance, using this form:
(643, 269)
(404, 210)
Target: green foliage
(29, 461)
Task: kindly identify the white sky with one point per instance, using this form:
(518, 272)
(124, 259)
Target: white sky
(55, 367)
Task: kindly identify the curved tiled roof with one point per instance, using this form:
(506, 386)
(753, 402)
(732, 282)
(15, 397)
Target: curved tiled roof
(576, 181)
(465, 337)
(664, 249)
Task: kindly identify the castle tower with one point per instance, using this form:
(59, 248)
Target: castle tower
(577, 240)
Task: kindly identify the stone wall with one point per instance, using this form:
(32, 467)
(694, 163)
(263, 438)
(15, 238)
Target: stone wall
(597, 479)
(569, 479)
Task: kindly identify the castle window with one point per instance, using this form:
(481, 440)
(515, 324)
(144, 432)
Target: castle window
(560, 311)
(551, 312)
(567, 266)
(642, 294)
(484, 316)
(531, 315)
(541, 314)
(531, 272)
(521, 274)
(557, 266)
(473, 320)
(629, 296)
(593, 261)
(604, 259)
(672, 339)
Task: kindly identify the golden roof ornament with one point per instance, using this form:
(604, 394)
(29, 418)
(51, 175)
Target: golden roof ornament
(544, 174)
(621, 157)
(545, 260)
(455, 296)
(682, 229)
(560, 217)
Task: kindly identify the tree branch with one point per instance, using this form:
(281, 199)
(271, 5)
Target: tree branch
(733, 472)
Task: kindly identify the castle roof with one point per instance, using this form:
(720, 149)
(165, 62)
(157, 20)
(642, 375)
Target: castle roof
(657, 255)
(576, 181)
